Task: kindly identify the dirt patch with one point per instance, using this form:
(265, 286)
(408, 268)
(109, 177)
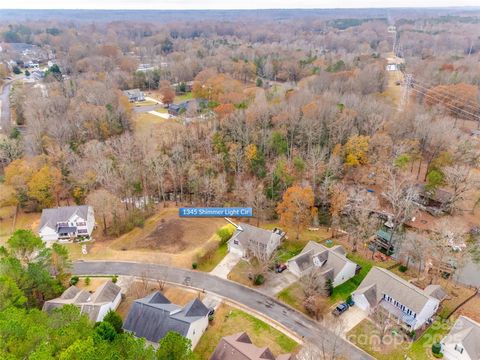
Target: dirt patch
(470, 309)
(167, 236)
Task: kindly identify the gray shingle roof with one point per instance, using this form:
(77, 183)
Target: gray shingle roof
(51, 217)
(465, 331)
(153, 316)
(89, 304)
(251, 234)
(240, 347)
(333, 259)
(386, 282)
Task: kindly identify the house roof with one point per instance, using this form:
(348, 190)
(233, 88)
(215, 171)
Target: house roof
(333, 259)
(381, 281)
(131, 93)
(435, 291)
(50, 217)
(465, 331)
(442, 196)
(247, 234)
(89, 304)
(240, 347)
(154, 315)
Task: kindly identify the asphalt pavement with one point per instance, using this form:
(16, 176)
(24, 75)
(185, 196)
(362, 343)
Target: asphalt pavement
(291, 319)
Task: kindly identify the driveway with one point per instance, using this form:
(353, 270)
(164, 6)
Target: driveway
(5, 121)
(277, 282)
(269, 307)
(349, 319)
(159, 114)
(226, 265)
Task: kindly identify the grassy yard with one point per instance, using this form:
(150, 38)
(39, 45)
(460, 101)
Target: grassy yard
(182, 98)
(229, 321)
(342, 291)
(293, 296)
(213, 261)
(240, 272)
(366, 336)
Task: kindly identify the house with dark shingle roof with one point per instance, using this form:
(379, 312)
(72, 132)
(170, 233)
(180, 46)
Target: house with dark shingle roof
(66, 223)
(240, 347)
(134, 95)
(331, 262)
(95, 306)
(410, 305)
(153, 316)
(463, 340)
(247, 239)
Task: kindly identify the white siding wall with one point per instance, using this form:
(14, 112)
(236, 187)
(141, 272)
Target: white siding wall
(428, 311)
(361, 301)
(272, 246)
(48, 234)
(105, 308)
(347, 273)
(294, 269)
(196, 330)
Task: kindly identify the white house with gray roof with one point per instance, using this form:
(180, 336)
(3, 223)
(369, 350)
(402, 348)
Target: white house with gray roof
(66, 223)
(153, 316)
(410, 305)
(331, 262)
(106, 297)
(247, 239)
(463, 340)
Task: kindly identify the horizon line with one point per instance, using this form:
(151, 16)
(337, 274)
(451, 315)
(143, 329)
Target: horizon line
(251, 9)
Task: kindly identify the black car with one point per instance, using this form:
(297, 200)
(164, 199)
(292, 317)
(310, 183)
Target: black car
(279, 268)
(340, 309)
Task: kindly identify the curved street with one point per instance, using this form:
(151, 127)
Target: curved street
(267, 306)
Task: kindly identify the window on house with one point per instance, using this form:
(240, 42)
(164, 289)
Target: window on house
(235, 242)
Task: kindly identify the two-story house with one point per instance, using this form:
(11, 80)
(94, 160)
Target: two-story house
(410, 305)
(66, 223)
(250, 240)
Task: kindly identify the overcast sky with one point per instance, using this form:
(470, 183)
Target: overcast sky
(226, 4)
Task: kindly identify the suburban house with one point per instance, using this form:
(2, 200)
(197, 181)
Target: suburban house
(240, 347)
(332, 262)
(95, 306)
(410, 305)
(463, 340)
(134, 95)
(247, 239)
(178, 109)
(66, 223)
(153, 316)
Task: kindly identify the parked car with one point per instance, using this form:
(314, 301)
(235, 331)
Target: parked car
(340, 309)
(279, 268)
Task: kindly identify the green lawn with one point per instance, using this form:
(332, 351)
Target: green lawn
(293, 296)
(210, 264)
(342, 291)
(229, 321)
(421, 349)
(182, 98)
(289, 249)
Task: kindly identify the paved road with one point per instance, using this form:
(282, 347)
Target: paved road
(5, 109)
(269, 307)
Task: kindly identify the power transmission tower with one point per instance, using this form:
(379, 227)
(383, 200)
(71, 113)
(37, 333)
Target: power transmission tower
(407, 85)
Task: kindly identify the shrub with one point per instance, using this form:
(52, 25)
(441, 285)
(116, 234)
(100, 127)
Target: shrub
(194, 266)
(114, 279)
(211, 317)
(259, 279)
(74, 280)
(436, 348)
(115, 320)
(87, 281)
(402, 268)
(225, 233)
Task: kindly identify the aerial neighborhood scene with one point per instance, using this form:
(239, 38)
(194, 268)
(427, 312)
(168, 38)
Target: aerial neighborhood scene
(184, 180)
